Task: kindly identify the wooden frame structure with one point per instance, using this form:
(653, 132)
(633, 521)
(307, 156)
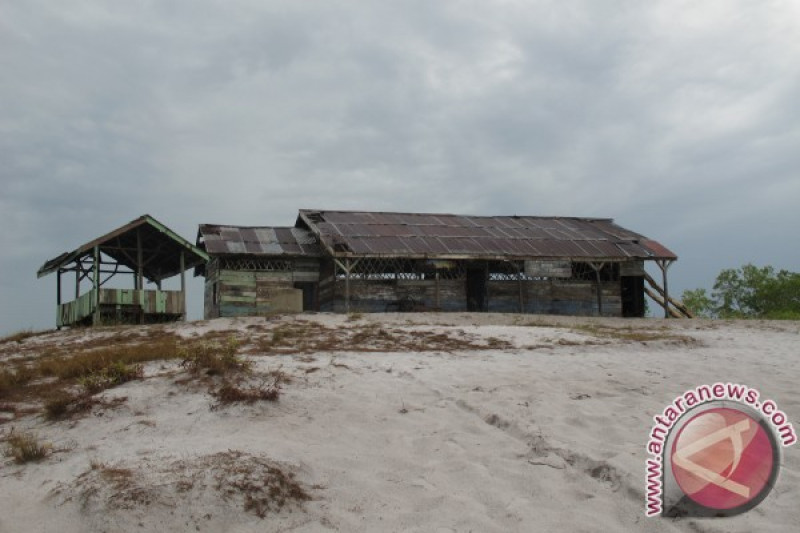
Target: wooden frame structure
(145, 249)
(376, 262)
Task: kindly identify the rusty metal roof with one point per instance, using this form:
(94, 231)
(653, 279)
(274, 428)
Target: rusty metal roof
(358, 233)
(162, 247)
(225, 240)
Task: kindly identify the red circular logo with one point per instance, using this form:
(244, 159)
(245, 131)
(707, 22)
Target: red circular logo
(723, 458)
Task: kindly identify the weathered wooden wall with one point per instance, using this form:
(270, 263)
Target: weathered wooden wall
(256, 292)
(400, 295)
(253, 293)
(560, 297)
(555, 297)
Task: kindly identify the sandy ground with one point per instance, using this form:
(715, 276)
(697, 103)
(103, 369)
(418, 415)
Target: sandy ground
(545, 433)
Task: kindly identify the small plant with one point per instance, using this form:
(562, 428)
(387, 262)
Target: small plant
(268, 390)
(231, 393)
(494, 342)
(213, 358)
(11, 380)
(25, 447)
(63, 405)
(114, 374)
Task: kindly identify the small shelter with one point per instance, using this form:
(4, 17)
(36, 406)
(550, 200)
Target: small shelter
(145, 249)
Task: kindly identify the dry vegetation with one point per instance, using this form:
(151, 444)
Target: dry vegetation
(19, 336)
(25, 447)
(302, 336)
(253, 484)
(63, 380)
(631, 334)
(267, 389)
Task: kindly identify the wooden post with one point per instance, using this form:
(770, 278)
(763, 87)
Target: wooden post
(347, 285)
(58, 298)
(438, 300)
(183, 285)
(664, 264)
(485, 287)
(597, 268)
(139, 261)
(140, 274)
(96, 286)
(58, 287)
(519, 280)
(77, 279)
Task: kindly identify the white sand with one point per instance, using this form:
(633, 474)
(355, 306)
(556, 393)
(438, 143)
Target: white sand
(546, 436)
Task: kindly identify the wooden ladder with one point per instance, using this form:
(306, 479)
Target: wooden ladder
(675, 308)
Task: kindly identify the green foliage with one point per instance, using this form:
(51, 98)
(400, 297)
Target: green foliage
(114, 374)
(749, 292)
(698, 302)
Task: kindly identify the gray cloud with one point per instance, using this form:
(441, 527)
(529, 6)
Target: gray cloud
(676, 118)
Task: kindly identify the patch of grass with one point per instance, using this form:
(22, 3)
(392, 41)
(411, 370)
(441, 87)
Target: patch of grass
(114, 374)
(118, 476)
(62, 404)
(355, 316)
(632, 334)
(288, 333)
(265, 486)
(309, 337)
(495, 342)
(96, 360)
(269, 390)
(20, 336)
(24, 447)
(213, 359)
(14, 379)
(251, 483)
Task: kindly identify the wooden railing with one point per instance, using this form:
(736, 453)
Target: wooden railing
(146, 302)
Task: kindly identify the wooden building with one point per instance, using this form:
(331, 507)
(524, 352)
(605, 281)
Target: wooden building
(144, 249)
(345, 261)
(259, 270)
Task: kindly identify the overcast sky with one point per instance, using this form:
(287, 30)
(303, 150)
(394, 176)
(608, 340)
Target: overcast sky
(679, 119)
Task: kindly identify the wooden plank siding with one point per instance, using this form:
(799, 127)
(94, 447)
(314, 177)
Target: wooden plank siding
(557, 297)
(246, 293)
(116, 303)
(231, 292)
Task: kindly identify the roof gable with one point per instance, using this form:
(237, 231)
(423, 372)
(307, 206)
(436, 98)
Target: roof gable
(160, 245)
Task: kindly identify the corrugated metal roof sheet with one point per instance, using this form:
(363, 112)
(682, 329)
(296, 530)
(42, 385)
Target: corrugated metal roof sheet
(223, 240)
(416, 234)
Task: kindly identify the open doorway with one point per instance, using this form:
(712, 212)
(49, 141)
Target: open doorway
(476, 289)
(632, 289)
(310, 294)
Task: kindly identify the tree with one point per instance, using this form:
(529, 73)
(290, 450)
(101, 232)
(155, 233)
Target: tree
(749, 292)
(698, 302)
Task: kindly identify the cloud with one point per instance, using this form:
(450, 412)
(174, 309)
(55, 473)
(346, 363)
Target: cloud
(677, 118)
